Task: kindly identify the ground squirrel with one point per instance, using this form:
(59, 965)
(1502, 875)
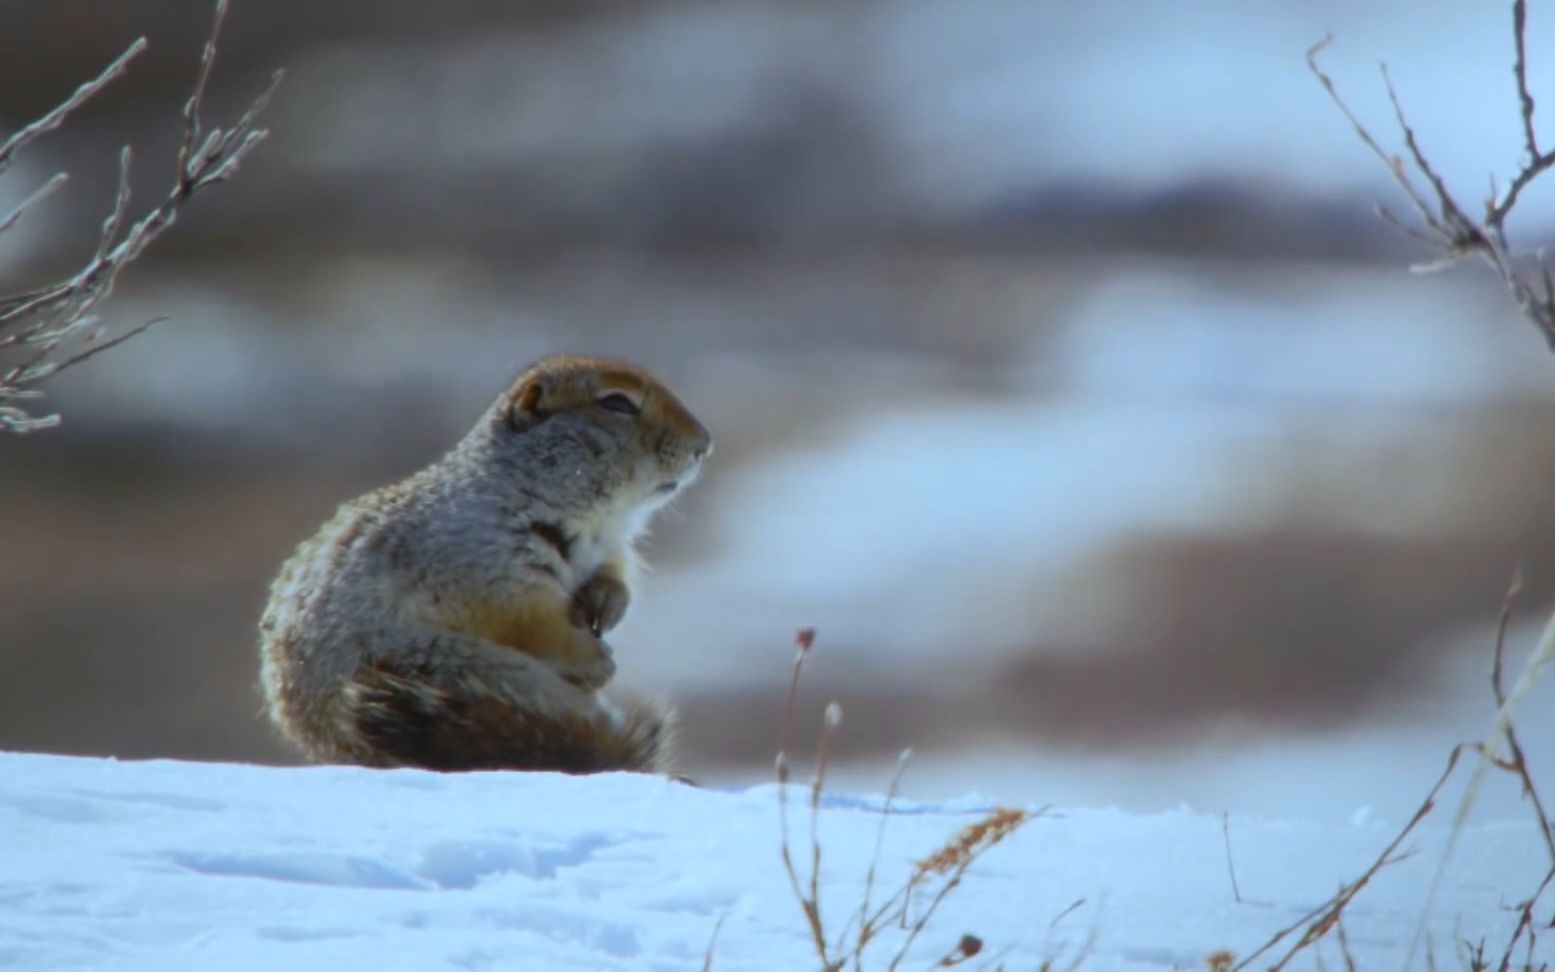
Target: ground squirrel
(453, 621)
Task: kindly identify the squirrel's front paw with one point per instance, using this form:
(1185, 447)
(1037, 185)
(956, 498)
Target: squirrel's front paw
(594, 672)
(600, 603)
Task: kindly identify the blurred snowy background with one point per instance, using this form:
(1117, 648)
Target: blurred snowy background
(1060, 373)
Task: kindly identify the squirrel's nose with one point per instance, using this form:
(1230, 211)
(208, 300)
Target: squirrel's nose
(704, 445)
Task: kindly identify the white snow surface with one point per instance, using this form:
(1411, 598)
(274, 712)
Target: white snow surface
(174, 865)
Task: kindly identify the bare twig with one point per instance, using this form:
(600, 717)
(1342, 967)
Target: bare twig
(1450, 230)
(1447, 226)
(1344, 946)
(1519, 29)
(79, 97)
(44, 319)
(38, 195)
(1518, 762)
(1537, 161)
(1526, 926)
(121, 205)
(1327, 917)
(1392, 162)
(1073, 907)
(1225, 831)
(712, 944)
(1321, 920)
(1501, 728)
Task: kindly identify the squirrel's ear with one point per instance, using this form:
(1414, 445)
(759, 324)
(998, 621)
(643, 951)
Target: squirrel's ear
(524, 405)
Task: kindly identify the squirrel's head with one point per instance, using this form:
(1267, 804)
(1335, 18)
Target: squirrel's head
(607, 425)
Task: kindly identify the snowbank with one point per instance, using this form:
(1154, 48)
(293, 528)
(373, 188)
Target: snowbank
(167, 865)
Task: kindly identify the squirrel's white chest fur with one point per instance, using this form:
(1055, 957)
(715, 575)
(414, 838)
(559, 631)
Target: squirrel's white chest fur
(607, 537)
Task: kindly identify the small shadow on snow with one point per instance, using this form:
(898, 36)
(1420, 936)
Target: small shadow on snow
(1164, 957)
(334, 870)
(60, 809)
(303, 933)
(569, 926)
(462, 864)
(171, 801)
(899, 808)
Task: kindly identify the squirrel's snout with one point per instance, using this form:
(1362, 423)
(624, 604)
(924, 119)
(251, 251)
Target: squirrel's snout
(703, 446)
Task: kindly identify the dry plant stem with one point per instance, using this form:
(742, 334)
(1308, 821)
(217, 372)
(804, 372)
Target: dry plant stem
(1344, 946)
(808, 903)
(1075, 906)
(42, 320)
(712, 944)
(830, 723)
(1517, 762)
(1501, 728)
(955, 858)
(917, 927)
(965, 950)
(951, 861)
(1326, 917)
(1322, 919)
(1452, 232)
(1526, 925)
(1537, 161)
(1080, 956)
(1225, 831)
(1448, 227)
(866, 931)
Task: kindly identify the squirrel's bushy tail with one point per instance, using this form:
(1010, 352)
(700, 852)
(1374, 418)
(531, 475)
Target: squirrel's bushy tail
(393, 716)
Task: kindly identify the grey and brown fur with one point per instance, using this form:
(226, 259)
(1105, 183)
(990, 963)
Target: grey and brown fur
(453, 621)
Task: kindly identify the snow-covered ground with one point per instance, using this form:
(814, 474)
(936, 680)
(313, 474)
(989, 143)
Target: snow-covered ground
(168, 865)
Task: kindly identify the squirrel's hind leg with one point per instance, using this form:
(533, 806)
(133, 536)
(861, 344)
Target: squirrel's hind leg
(411, 715)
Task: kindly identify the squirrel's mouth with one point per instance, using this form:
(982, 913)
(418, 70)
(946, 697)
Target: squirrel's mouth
(667, 487)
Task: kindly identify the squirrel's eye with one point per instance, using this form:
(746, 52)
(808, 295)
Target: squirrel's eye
(617, 402)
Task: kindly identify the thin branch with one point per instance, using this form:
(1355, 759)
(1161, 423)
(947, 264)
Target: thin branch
(1392, 162)
(121, 205)
(1462, 234)
(192, 106)
(1073, 907)
(45, 318)
(38, 195)
(1225, 831)
(1536, 162)
(1518, 763)
(1321, 920)
(79, 97)
(1524, 97)
(865, 930)
(1344, 946)
(98, 347)
(1525, 925)
(1448, 227)
(712, 943)
(1503, 620)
